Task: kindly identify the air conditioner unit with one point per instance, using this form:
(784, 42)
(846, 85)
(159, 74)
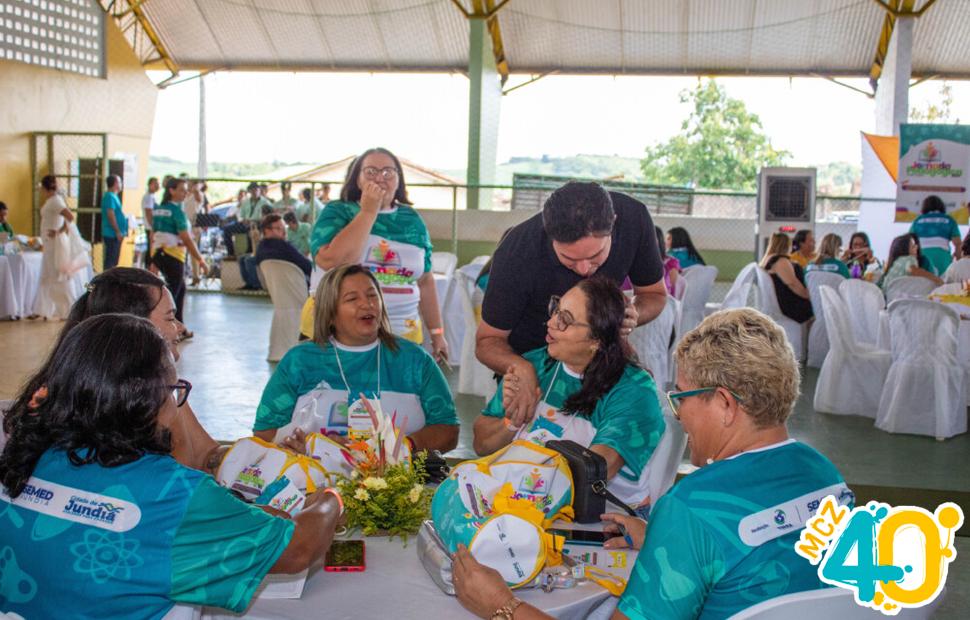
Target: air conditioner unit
(786, 203)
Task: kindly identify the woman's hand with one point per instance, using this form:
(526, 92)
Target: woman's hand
(372, 197)
(295, 441)
(439, 347)
(636, 529)
(480, 589)
(520, 394)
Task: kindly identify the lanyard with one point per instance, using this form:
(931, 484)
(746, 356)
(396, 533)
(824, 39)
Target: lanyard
(552, 382)
(336, 353)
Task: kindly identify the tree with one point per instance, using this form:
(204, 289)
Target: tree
(936, 113)
(720, 146)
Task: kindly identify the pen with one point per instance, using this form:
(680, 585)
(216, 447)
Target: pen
(626, 535)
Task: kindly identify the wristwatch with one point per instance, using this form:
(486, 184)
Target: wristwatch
(506, 611)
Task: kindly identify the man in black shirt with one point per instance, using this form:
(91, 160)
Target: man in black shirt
(582, 230)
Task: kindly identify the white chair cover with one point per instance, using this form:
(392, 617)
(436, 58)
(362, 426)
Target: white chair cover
(663, 464)
(473, 376)
(853, 374)
(444, 263)
(864, 301)
(768, 303)
(183, 611)
(909, 287)
(700, 280)
(288, 289)
(651, 341)
(737, 295)
(4, 405)
(953, 288)
(835, 603)
(818, 340)
(680, 287)
(958, 271)
(925, 392)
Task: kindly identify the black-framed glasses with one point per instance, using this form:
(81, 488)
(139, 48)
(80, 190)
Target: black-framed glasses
(387, 174)
(564, 318)
(180, 391)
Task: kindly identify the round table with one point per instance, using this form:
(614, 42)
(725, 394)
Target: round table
(396, 585)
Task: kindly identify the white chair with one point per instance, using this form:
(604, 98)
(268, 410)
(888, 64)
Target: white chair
(958, 271)
(925, 391)
(680, 287)
(652, 341)
(183, 611)
(737, 295)
(853, 374)
(4, 405)
(835, 603)
(288, 289)
(864, 301)
(768, 304)
(700, 280)
(909, 287)
(665, 460)
(473, 376)
(953, 288)
(818, 340)
(444, 263)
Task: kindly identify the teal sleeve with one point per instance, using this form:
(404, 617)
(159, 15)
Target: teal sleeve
(436, 399)
(428, 248)
(494, 406)
(333, 219)
(223, 548)
(631, 421)
(954, 229)
(279, 398)
(537, 358)
(181, 221)
(844, 270)
(677, 567)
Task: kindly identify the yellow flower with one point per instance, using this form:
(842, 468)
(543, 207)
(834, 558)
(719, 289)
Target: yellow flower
(362, 495)
(415, 493)
(375, 483)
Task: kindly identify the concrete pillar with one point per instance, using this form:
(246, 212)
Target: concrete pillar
(203, 164)
(484, 106)
(892, 95)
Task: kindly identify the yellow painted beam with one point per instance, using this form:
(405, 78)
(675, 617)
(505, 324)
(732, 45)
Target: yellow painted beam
(495, 31)
(135, 9)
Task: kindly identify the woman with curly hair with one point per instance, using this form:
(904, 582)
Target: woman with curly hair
(116, 521)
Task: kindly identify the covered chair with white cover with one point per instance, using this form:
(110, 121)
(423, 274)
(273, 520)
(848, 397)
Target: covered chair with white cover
(953, 288)
(666, 458)
(834, 603)
(925, 392)
(700, 281)
(853, 373)
(288, 289)
(768, 303)
(864, 301)
(958, 271)
(818, 339)
(652, 340)
(737, 295)
(444, 263)
(473, 376)
(909, 287)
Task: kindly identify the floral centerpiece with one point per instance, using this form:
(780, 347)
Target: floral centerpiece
(385, 493)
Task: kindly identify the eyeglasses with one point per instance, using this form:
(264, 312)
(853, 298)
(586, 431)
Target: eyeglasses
(180, 391)
(564, 318)
(387, 174)
(674, 398)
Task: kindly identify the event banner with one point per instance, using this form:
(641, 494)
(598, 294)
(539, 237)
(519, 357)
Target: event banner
(933, 160)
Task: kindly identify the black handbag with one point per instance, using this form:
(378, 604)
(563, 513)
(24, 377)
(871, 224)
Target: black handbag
(589, 481)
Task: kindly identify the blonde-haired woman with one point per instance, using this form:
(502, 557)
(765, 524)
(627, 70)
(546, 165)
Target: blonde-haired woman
(317, 385)
(828, 256)
(788, 278)
(723, 538)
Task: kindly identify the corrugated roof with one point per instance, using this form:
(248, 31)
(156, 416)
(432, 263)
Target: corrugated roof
(758, 37)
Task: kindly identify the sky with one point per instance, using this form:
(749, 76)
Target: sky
(321, 117)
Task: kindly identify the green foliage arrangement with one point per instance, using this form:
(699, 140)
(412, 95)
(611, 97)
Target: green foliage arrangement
(394, 502)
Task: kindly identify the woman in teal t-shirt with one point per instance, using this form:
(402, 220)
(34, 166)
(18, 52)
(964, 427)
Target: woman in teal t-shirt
(103, 518)
(374, 224)
(936, 230)
(171, 238)
(680, 246)
(317, 385)
(591, 391)
(829, 250)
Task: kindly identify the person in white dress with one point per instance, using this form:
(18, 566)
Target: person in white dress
(55, 295)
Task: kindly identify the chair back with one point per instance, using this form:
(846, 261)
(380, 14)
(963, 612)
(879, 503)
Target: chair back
(826, 603)
(837, 325)
(651, 341)
(908, 287)
(700, 280)
(680, 288)
(767, 298)
(737, 295)
(666, 457)
(444, 263)
(288, 289)
(924, 333)
(473, 376)
(958, 271)
(864, 301)
(953, 288)
(818, 343)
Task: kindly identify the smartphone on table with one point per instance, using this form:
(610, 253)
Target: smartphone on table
(345, 556)
(585, 537)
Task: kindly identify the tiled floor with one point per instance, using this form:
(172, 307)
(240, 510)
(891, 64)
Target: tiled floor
(226, 363)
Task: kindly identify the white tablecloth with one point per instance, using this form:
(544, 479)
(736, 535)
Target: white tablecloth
(452, 317)
(19, 278)
(963, 337)
(396, 586)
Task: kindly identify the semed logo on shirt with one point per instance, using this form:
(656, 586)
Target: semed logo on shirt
(72, 504)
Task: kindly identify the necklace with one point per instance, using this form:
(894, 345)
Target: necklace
(340, 367)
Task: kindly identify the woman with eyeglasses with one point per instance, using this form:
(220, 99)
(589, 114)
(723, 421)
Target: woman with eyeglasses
(102, 517)
(317, 385)
(723, 538)
(374, 224)
(591, 391)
